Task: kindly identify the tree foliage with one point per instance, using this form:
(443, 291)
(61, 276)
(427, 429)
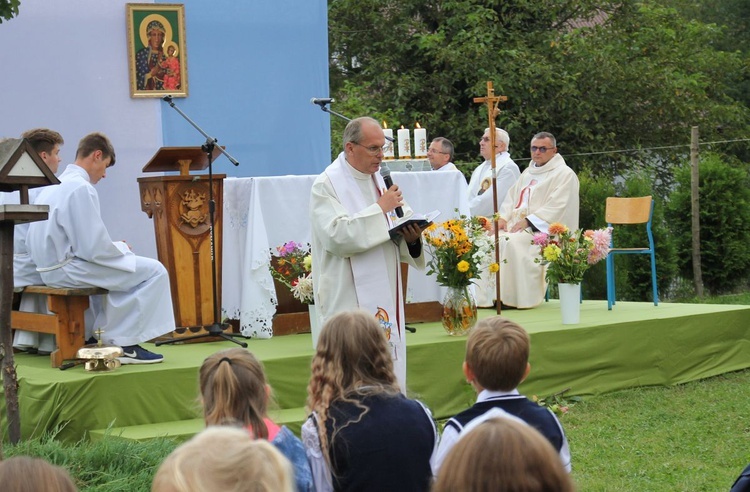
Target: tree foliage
(733, 16)
(639, 79)
(724, 194)
(8, 9)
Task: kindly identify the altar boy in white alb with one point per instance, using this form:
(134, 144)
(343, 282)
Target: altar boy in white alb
(47, 144)
(73, 249)
(356, 264)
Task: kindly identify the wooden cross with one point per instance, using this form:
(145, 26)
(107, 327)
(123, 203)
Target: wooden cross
(491, 100)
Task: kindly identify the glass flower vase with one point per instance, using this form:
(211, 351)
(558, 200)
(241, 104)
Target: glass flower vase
(459, 311)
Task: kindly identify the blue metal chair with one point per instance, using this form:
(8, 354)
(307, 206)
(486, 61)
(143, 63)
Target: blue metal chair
(629, 211)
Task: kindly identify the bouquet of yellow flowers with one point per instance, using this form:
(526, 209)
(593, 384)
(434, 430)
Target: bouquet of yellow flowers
(458, 247)
(293, 268)
(569, 254)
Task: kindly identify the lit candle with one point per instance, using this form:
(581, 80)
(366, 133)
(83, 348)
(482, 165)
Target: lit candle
(388, 147)
(404, 144)
(420, 142)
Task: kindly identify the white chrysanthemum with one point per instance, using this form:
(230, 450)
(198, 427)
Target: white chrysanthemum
(303, 291)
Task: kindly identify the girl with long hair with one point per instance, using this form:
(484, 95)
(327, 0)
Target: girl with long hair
(234, 391)
(363, 433)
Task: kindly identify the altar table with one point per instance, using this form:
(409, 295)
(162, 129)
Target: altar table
(265, 212)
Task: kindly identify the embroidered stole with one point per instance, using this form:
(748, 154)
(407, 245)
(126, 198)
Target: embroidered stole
(370, 280)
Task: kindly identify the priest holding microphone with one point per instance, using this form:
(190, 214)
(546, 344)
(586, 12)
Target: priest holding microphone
(356, 264)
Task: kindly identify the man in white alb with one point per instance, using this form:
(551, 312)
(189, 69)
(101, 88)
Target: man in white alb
(73, 249)
(47, 144)
(356, 264)
(546, 192)
(480, 202)
(440, 155)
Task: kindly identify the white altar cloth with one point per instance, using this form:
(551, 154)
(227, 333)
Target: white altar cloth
(265, 212)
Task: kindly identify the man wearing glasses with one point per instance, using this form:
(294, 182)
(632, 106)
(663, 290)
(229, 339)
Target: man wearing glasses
(480, 202)
(356, 264)
(546, 192)
(440, 155)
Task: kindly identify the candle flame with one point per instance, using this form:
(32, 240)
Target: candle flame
(418, 125)
(402, 127)
(385, 125)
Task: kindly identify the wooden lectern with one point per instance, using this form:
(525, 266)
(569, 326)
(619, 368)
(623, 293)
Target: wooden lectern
(179, 206)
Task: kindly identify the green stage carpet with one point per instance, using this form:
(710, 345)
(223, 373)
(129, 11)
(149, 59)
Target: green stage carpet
(636, 344)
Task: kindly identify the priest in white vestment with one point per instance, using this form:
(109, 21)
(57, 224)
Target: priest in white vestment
(355, 263)
(47, 144)
(480, 200)
(546, 192)
(74, 249)
(440, 154)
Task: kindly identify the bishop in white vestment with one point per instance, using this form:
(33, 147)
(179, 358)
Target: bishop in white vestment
(480, 199)
(356, 264)
(74, 249)
(546, 192)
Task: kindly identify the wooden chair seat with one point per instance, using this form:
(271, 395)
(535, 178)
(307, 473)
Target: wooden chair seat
(66, 322)
(630, 211)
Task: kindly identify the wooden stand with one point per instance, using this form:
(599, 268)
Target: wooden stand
(292, 316)
(179, 206)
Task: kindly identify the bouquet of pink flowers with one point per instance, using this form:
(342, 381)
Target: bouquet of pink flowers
(569, 254)
(293, 268)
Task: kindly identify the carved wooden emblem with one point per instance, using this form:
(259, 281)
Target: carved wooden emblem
(193, 207)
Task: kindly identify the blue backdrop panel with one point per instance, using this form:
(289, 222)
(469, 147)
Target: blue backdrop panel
(252, 69)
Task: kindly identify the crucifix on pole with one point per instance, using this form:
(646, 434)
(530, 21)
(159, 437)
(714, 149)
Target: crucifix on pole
(491, 100)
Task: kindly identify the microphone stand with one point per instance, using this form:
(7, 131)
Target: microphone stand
(326, 109)
(391, 139)
(216, 329)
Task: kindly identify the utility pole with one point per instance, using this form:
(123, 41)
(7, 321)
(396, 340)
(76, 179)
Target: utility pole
(695, 212)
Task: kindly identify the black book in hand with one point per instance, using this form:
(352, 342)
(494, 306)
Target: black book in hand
(421, 220)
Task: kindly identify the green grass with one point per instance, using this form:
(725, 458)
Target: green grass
(692, 437)
(109, 465)
(739, 298)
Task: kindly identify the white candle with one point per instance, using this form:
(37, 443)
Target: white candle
(404, 144)
(388, 147)
(420, 142)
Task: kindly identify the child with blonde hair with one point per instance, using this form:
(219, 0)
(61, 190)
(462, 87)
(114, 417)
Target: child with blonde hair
(235, 392)
(496, 362)
(223, 458)
(499, 455)
(364, 434)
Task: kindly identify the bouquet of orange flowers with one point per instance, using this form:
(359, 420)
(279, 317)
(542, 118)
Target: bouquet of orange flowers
(569, 254)
(294, 269)
(458, 248)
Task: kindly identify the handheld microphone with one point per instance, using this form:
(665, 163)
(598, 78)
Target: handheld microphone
(322, 101)
(386, 174)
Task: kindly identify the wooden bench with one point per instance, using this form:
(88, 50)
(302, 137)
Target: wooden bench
(66, 321)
